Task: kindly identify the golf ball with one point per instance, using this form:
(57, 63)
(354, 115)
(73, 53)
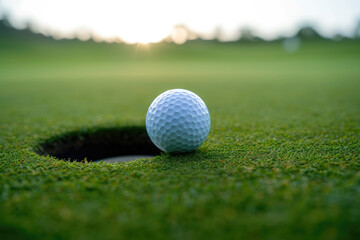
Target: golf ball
(178, 121)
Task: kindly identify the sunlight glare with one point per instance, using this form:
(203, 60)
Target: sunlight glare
(143, 21)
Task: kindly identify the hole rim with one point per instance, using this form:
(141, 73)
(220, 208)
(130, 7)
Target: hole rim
(94, 144)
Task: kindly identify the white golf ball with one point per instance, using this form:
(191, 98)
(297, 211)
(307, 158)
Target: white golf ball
(178, 121)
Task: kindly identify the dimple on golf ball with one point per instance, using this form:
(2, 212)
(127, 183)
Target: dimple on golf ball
(178, 121)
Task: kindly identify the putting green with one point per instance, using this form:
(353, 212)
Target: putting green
(281, 160)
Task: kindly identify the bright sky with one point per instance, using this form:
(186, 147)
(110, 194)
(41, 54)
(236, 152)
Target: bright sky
(153, 20)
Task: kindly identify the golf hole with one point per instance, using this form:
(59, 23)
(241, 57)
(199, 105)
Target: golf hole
(121, 144)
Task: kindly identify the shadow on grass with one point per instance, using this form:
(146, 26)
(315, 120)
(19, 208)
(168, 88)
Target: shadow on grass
(99, 143)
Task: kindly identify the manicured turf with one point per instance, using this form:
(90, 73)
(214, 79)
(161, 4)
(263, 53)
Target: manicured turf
(281, 161)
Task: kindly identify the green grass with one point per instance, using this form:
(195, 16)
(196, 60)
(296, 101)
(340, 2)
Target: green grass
(281, 160)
